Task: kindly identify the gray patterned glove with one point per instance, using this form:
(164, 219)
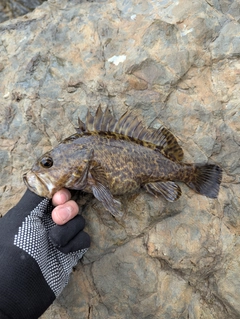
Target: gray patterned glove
(36, 257)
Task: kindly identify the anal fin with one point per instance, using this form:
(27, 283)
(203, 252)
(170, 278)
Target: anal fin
(169, 190)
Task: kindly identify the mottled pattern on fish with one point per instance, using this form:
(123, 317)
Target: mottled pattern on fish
(109, 157)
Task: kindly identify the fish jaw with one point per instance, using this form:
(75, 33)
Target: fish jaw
(38, 185)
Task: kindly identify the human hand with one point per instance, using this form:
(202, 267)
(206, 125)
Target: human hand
(36, 255)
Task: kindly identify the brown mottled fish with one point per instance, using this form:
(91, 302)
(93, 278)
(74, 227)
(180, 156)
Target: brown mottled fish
(109, 157)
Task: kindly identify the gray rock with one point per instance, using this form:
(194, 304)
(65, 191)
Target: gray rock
(10, 9)
(175, 63)
(227, 44)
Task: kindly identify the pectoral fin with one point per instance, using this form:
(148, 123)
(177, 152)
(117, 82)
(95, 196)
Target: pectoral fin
(169, 190)
(104, 196)
(97, 180)
(98, 173)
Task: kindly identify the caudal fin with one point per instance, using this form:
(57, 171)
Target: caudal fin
(206, 180)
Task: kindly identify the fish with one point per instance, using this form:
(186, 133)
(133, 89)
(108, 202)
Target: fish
(109, 157)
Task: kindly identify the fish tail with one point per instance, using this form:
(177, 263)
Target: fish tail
(206, 179)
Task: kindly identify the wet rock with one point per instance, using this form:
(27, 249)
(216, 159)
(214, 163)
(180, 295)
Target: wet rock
(175, 63)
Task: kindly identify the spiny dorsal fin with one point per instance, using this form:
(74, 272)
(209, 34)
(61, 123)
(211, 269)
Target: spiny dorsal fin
(97, 122)
(130, 126)
(107, 118)
(89, 122)
(130, 123)
(81, 127)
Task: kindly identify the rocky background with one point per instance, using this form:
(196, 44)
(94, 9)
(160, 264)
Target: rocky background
(10, 9)
(175, 63)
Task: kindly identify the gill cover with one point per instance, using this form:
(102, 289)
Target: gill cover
(79, 177)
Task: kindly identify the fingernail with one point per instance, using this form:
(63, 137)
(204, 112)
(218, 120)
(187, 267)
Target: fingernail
(64, 213)
(66, 196)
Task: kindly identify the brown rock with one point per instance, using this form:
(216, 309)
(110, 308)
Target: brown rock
(176, 63)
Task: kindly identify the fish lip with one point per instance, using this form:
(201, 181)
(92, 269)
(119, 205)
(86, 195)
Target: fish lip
(26, 181)
(39, 180)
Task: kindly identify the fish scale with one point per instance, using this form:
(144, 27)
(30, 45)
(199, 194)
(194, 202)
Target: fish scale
(110, 157)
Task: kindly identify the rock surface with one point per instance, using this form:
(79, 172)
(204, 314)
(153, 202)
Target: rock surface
(10, 9)
(175, 63)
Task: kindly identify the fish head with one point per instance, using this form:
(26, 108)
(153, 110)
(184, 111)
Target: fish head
(67, 165)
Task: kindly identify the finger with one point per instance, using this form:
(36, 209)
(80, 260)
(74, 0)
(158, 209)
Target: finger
(81, 241)
(60, 235)
(63, 213)
(61, 197)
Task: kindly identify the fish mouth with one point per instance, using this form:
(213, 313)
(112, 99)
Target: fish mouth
(37, 185)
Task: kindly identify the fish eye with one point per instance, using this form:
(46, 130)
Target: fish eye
(46, 162)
